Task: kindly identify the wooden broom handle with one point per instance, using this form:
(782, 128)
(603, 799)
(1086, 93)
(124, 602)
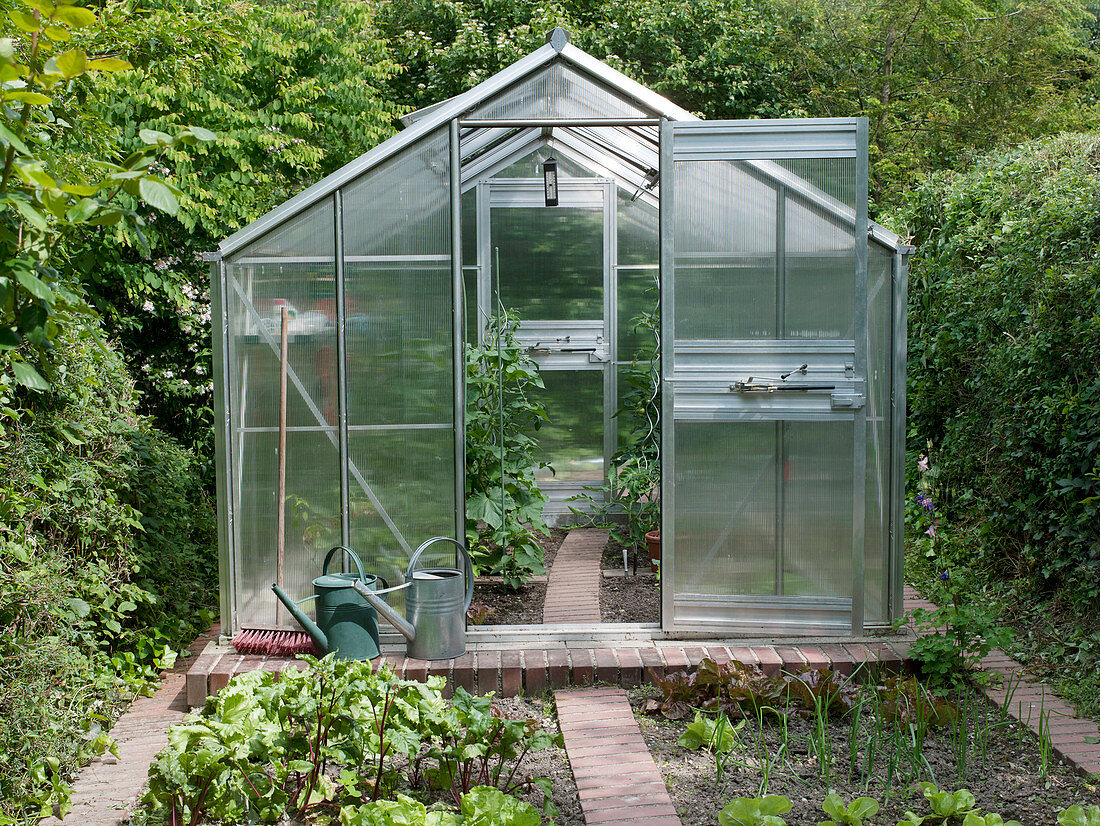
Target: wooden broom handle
(280, 524)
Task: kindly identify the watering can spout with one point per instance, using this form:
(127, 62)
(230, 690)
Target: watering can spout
(309, 625)
(398, 621)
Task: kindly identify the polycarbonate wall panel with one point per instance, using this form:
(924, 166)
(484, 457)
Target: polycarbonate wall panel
(312, 519)
(819, 283)
(834, 178)
(726, 506)
(815, 487)
(399, 343)
(639, 236)
(880, 270)
(558, 91)
(399, 355)
(402, 206)
(530, 166)
(551, 261)
(725, 253)
(572, 437)
(292, 266)
(411, 475)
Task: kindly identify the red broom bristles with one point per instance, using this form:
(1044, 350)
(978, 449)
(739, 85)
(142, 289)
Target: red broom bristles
(273, 643)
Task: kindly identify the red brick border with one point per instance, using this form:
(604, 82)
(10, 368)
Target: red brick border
(1024, 698)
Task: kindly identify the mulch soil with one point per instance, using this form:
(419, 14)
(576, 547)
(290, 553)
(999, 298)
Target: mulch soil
(523, 607)
(1008, 783)
(622, 599)
(551, 763)
(628, 598)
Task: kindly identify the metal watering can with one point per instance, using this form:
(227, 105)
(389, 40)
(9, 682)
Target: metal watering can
(436, 605)
(345, 623)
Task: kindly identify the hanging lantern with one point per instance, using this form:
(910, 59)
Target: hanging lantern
(550, 181)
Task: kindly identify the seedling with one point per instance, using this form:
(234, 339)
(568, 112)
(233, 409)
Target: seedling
(755, 811)
(851, 815)
(944, 805)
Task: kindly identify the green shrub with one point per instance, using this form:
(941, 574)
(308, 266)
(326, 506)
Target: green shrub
(1004, 332)
(106, 565)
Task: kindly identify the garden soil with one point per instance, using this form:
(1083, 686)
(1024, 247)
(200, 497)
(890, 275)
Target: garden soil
(628, 598)
(551, 763)
(1009, 783)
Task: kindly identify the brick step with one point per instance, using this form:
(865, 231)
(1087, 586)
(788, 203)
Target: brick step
(533, 671)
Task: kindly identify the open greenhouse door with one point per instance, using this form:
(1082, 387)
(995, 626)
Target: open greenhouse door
(763, 265)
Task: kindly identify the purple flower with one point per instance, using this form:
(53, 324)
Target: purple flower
(945, 577)
(932, 530)
(923, 464)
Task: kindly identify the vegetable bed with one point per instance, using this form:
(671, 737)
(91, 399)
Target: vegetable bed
(909, 752)
(337, 743)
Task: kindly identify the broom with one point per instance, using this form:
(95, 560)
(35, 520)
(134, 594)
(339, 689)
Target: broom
(270, 641)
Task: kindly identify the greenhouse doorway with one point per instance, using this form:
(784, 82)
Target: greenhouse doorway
(551, 267)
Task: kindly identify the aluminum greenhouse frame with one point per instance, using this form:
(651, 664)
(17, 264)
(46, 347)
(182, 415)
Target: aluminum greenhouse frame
(782, 346)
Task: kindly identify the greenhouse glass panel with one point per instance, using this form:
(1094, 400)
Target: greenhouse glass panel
(398, 305)
(559, 91)
(880, 309)
(293, 267)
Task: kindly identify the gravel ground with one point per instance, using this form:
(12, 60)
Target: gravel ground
(1008, 783)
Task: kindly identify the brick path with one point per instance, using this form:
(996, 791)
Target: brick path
(108, 786)
(617, 780)
(573, 590)
(1027, 698)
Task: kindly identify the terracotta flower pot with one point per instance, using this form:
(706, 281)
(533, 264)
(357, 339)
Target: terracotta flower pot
(653, 542)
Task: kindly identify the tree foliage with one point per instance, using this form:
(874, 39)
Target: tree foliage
(939, 80)
(44, 198)
(294, 90)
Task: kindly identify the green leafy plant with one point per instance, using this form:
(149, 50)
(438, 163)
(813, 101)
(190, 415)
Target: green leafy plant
(262, 746)
(473, 744)
(991, 819)
(755, 811)
(732, 688)
(1078, 815)
(944, 805)
(481, 806)
(955, 636)
(715, 734)
(503, 500)
(851, 815)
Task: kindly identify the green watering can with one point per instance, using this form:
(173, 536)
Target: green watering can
(346, 624)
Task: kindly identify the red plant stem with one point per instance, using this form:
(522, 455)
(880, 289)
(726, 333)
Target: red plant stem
(382, 744)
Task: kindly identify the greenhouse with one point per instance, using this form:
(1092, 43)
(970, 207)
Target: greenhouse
(570, 196)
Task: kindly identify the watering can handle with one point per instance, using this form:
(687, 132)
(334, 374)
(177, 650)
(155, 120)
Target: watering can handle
(469, 567)
(351, 553)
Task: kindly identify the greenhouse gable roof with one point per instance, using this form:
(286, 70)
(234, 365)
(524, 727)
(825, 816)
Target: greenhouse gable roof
(637, 100)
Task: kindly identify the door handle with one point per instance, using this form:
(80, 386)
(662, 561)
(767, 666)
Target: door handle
(765, 387)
